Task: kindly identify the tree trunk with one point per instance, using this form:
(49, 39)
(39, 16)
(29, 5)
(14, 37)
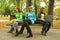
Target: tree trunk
(28, 3)
(18, 3)
(51, 6)
(49, 17)
(35, 6)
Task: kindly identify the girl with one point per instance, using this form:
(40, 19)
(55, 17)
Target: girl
(19, 19)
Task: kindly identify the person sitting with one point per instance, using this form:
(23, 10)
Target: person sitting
(14, 22)
(41, 20)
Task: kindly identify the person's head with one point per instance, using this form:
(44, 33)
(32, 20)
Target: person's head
(41, 9)
(30, 9)
(18, 10)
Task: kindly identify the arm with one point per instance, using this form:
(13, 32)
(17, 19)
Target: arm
(26, 16)
(39, 15)
(34, 16)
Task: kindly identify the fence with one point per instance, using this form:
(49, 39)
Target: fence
(4, 18)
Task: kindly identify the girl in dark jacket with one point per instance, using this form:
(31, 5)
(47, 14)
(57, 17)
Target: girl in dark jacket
(41, 20)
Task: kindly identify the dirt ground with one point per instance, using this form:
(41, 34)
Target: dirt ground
(53, 34)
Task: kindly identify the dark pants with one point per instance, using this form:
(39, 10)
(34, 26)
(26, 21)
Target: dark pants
(46, 25)
(26, 24)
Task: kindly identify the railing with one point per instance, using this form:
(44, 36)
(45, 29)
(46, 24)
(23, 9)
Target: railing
(4, 18)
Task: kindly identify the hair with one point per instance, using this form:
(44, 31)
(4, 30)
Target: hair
(18, 9)
(41, 9)
(30, 7)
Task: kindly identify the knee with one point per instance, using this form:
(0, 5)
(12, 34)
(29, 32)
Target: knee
(15, 24)
(49, 23)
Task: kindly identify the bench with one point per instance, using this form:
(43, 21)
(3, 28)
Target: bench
(48, 18)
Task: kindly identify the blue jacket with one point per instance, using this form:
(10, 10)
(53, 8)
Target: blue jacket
(31, 16)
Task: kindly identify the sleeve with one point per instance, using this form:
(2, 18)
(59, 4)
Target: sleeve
(39, 15)
(44, 15)
(26, 16)
(34, 16)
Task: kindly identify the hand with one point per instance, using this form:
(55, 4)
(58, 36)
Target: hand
(31, 19)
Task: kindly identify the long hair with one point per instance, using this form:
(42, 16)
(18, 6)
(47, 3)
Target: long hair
(41, 12)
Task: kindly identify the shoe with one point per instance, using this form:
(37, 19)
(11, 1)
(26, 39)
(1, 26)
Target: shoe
(41, 32)
(11, 30)
(18, 34)
(44, 34)
(29, 36)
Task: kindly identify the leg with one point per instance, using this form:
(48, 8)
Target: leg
(28, 30)
(19, 21)
(48, 27)
(21, 30)
(43, 24)
(25, 24)
(16, 26)
(43, 29)
(11, 30)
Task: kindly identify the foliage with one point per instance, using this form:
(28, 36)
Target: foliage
(11, 4)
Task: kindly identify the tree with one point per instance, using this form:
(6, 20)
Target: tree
(7, 11)
(18, 3)
(35, 6)
(50, 7)
(28, 3)
(50, 10)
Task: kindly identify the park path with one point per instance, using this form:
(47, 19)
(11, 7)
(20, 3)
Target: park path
(53, 34)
